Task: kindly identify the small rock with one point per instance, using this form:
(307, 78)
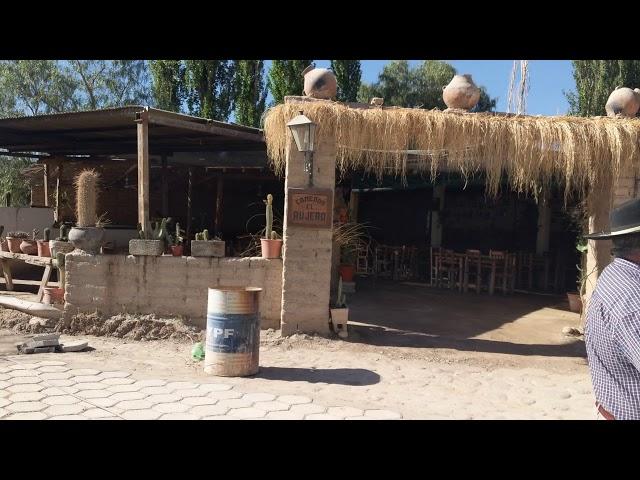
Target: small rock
(572, 332)
(43, 322)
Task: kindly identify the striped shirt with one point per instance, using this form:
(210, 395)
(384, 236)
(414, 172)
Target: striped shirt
(612, 337)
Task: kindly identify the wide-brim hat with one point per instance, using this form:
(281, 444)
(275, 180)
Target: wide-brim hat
(624, 220)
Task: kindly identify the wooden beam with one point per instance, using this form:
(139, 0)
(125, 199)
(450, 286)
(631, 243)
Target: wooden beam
(217, 225)
(165, 188)
(56, 212)
(6, 273)
(143, 168)
(169, 120)
(45, 179)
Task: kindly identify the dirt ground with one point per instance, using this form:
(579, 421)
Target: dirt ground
(428, 354)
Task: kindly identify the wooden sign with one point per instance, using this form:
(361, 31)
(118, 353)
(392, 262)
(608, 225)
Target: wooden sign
(310, 207)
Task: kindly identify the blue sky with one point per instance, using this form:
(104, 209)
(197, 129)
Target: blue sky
(547, 80)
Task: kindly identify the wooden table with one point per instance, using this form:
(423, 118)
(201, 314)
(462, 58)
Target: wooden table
(48, 263)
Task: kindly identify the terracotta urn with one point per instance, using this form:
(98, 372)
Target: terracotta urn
(13, 244)
(623, 102)
(461, 93)
(319, 83)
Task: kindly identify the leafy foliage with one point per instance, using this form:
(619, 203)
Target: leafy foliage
(12, 181)
(251, 92)
(210, 88)
(285, 78)
(348, 74)
(168, 84)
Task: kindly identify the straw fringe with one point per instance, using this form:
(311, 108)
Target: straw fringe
(581, 153)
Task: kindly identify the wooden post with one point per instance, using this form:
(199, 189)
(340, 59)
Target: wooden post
(143, 168)
(189, 194)
(599, 251)
(56, 212)
(436, 226)
(544, 222)
(46, 184)
(217, 223)
(165, 188)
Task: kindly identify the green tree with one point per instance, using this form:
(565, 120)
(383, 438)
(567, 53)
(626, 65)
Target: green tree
(108, 83)
(251, 92)
(348, 74)
(595, 80)
(210, 88)
(32, 87)
(285, 78)
(168, 84)
(419, 87)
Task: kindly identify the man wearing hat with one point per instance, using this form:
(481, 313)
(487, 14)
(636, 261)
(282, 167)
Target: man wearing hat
(612, 330)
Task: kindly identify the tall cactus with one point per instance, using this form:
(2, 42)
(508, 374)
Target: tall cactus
(269, 215)
(47, 234)
(86, 190)
(64, 233)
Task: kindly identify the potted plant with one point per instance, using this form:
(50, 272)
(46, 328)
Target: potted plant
(340, 313)
(152, 240)
(271, 245)
(43, 245)
(575, 298)
(29, 246)
(177, 243)
(202, 246)
(3, 241)
(87, 235)
(347, 263)
(62, 243)
(14, 239)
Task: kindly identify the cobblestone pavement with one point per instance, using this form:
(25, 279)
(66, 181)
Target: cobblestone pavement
(52, 390)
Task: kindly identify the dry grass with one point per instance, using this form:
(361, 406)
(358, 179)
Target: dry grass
(581, 153)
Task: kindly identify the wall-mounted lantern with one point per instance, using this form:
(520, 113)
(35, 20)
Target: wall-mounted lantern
(304, 133)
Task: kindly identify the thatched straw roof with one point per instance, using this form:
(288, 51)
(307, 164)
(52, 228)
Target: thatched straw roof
(581, 153)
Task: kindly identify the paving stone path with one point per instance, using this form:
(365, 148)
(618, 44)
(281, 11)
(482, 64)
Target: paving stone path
(52, 390)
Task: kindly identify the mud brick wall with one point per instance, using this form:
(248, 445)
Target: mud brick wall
(167, 286)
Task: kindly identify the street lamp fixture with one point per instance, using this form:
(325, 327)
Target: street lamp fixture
(304, 133)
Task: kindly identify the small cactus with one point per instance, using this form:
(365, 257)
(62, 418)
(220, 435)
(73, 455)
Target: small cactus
(34, 234)
(269, 215)
(86, 192)
(64, 233)
(47, 234)
(341, 301)
(178, 238)
(205, 235)
(1, 229)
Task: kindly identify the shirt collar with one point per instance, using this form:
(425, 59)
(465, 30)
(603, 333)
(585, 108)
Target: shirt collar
(627, 264)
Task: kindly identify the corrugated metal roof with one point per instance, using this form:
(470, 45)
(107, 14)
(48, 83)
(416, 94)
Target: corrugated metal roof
(112, 131)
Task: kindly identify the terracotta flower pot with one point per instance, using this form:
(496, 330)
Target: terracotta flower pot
(87, 239)
(177, 250)
(53, 295)
(347, 272)
(271, 248)
(29, 247)
(43, 248)
(623, 102)
(14, 244)
(575, 302)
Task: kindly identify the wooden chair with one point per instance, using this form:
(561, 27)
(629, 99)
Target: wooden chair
(450, 270)
(498, 258)
(434, 260)
(473, 268)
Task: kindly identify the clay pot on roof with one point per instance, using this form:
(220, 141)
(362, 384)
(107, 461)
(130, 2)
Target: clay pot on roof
(461, 93)
(319, 83)
(623, 102)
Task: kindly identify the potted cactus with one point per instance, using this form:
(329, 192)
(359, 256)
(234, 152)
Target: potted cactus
(340, 313)
(43, 245)
(29, 246)
(87, 235)
(271, 245)
(153, 239)
(202, 246)
(61, 244)
(177, 244)
(14, 239)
